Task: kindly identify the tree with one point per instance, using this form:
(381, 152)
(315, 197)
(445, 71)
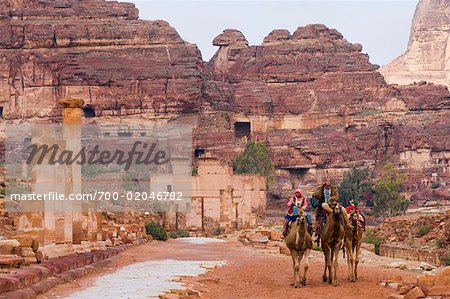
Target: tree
(355, 185)
(389, 200)
(255, 160)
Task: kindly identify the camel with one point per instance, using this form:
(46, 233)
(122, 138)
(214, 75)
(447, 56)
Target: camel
(332, 239)
(353, 240)
(300, 244)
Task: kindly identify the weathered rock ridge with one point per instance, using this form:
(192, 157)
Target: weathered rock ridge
(315, 98)
(96, 50)
(428, 55)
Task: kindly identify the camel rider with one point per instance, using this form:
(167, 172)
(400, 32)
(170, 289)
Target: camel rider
(353, 208)
(325, 194)
(298, 201)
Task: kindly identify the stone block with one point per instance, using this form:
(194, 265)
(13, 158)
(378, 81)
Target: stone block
(275, 235)
(39, 256)
(284, 250)
(24, 240)
(259, 239)
(415, 293)
(24, 251)
(406, 288)
(443, 277)
(265, 233)
(438, 291)
(397, 278)
(11, 261)
(426, 281)
(7, 246)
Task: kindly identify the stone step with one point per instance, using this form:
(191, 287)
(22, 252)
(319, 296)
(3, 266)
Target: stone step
(66, 269)
(10, 261)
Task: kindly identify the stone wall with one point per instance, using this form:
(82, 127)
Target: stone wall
(435, 257)
(220, 200)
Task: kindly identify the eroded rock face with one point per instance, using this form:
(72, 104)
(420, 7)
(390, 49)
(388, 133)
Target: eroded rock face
(427, 57)
(96, 50)
(295, 73)
(314, 97)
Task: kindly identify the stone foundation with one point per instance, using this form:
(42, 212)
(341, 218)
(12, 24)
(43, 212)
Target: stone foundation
(435, 257)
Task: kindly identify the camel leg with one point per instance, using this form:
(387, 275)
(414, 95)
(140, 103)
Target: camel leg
(330, 264)
(357, 252)
(326, 255)
(335, 264)
(296, 266)
(305, 266)
(349, 262)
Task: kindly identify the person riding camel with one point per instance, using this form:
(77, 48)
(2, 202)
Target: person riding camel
(326, 194)
(298, 201)
(353, 208)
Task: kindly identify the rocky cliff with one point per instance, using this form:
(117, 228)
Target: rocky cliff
(428, 55)
(315, 98)
(96, 50)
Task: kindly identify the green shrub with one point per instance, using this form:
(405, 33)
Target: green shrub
(423, 230)
(256, 160)
(156, 231)
(447, 260)
(370, 238)
(90, 171)
(317, 248)
(180, 233)
(389, 200)
(194, 171)
(217, 231)
(435, 185)
(439, 243)
(355, 185)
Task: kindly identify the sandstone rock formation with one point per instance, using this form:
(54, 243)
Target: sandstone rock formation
(428, 55)
(96, 50)
(312, 96)
(322, 107)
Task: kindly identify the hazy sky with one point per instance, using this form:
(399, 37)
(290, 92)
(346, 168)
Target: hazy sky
(382, 27)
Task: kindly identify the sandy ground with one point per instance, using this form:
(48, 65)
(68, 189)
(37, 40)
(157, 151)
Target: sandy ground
(248, 273)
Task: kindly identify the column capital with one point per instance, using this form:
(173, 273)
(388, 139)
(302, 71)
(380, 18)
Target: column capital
(71, 103)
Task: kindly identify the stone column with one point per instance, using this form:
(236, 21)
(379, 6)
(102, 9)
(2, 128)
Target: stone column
(72, 227)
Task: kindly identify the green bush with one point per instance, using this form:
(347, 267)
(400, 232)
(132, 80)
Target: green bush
(317, 248)
(439, 243)
(355, 185)
(435, 185)
(447, 260)
(256, 160)
(156, 231)
(389, 200)
(217, 231)
(423, 230)
(180, 233)
(370, 238)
